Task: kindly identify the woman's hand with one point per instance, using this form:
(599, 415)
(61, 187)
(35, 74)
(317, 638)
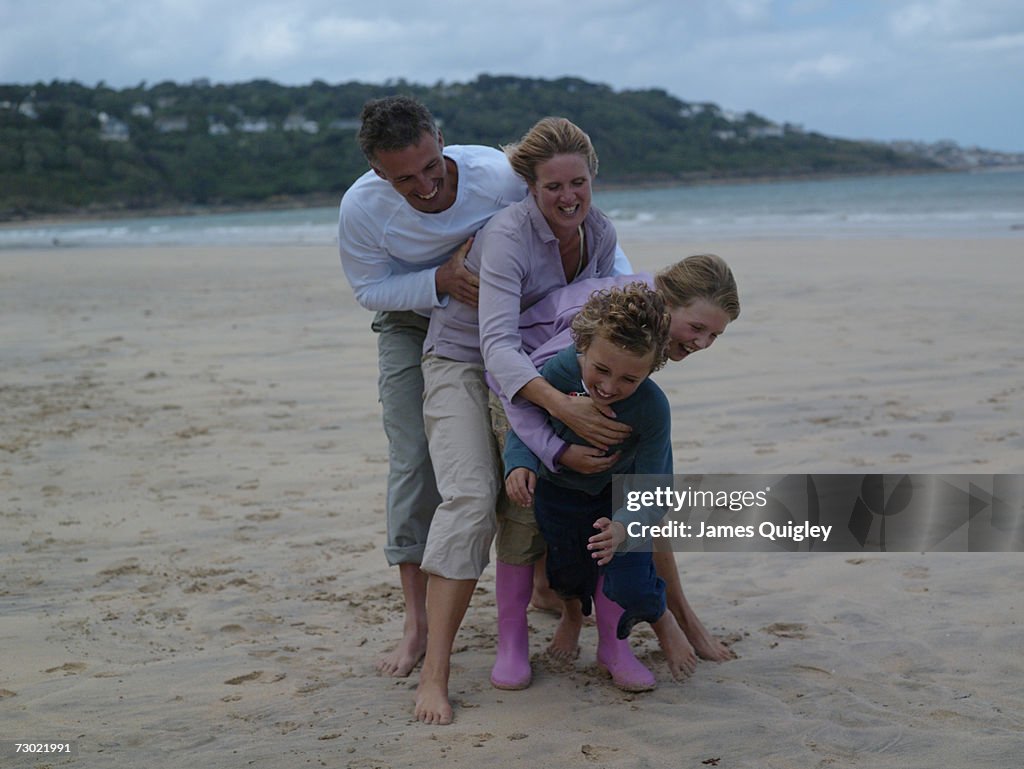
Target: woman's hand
(603, 545)
(594, 425)
(519, 485)
(587, 459)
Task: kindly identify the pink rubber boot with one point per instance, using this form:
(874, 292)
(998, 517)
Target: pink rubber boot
(615, 656)
(514, 585)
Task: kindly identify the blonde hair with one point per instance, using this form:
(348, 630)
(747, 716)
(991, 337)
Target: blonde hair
(703, 276)
(550, 136)
(634, 318)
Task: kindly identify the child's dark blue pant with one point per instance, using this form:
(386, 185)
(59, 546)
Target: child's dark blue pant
(566, 521)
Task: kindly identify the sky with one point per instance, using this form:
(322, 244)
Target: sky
(925, 70)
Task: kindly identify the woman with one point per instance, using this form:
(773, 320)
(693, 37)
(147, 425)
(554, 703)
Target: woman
(554, 237)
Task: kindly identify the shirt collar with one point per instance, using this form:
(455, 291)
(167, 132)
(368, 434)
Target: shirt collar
(540, 224)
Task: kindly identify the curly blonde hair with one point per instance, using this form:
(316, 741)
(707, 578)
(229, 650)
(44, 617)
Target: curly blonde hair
(634, 318)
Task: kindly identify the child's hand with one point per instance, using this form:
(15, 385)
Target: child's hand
(519, 486)
(603, 545)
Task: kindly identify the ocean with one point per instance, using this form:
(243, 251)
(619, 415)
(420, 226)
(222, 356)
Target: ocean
(962, 204)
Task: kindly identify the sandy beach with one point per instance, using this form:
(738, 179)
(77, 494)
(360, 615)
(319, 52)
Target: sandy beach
(192, 496)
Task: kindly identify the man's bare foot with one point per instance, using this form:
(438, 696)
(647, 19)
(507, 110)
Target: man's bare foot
(432, 706)
(681, 658)
(401, 660)
(565, 645)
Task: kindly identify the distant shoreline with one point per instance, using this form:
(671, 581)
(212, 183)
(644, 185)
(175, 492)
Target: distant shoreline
(289, 203)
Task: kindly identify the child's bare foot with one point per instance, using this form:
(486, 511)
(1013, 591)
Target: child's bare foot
(401, 660)
(681, 658)
(565, 645)
(432, 706)
(546, 599)
(543, 597)
(707, 646)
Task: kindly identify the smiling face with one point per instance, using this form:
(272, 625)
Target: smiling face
(562, 191)
(611, 373)
(695, 328)
(419, 173)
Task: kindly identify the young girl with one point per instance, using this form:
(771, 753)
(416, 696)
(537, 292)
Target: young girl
(621, 336)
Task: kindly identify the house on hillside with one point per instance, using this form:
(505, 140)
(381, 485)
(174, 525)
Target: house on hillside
(296, 122)
(771, 131)
(112, 129)
(254, 125)
(172, 124)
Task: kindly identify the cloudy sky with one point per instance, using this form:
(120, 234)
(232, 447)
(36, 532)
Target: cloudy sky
(878, 69)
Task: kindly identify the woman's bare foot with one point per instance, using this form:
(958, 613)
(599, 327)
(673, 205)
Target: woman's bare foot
(565, 644)
(401, 660)
(681, 658)
(432, 705)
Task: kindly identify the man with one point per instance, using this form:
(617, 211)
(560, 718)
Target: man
(402, 232)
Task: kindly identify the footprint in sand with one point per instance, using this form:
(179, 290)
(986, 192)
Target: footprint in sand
(263, 516)
(787, 629)
(257, 676)
(917, 572)
(597, 752)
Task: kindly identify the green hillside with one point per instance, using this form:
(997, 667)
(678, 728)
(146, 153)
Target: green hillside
(66, 147)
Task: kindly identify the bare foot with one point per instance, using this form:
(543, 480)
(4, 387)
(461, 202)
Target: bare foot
(708, 647)
(711, 648)
(546, 599)
(681, 658)
(543, 597)
(401, 660)
(432, 706)
(565, 645)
